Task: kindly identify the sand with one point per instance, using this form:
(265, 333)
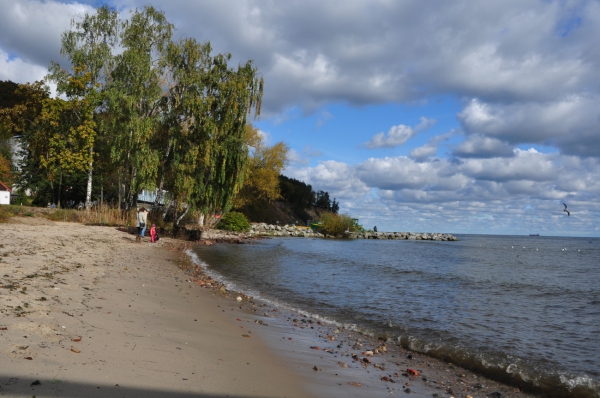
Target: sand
(87, 312)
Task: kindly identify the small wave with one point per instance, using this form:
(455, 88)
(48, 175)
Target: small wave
(496, 365)
(508, 369)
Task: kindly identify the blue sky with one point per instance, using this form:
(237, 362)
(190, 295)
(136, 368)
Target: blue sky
(460, 117)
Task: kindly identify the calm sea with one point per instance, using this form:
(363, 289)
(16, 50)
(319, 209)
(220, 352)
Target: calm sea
(517, 308)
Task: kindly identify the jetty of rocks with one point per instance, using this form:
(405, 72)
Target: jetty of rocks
(263, 229)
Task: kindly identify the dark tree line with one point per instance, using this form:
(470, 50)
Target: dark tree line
(301, 196)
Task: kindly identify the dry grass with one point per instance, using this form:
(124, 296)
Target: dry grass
(101, 215)
(7, 211)
(97, 216)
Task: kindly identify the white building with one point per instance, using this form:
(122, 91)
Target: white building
(4, 194)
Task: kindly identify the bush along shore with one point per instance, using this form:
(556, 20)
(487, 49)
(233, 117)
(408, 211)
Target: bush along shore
(266, 230)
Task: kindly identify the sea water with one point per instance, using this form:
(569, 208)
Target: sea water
(521, 309)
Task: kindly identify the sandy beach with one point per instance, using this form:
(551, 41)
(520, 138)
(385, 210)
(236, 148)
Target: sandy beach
(85, 311)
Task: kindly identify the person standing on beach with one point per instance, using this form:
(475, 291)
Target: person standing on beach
(153, 233)
(140, 222)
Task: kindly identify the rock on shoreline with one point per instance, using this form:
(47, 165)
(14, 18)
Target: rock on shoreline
(266, 230)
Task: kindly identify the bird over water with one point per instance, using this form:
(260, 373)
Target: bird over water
(565, 209)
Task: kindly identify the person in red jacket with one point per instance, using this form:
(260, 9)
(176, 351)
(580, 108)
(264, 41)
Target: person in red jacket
(153, 233)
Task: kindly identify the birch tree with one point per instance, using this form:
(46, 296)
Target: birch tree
(209, 104)
(134, 99)
(89, 46)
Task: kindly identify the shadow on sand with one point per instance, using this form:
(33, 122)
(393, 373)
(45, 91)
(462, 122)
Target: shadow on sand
(11, 386)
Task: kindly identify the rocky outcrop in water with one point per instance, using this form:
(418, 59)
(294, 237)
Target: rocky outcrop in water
(263, 229)
(402, 236)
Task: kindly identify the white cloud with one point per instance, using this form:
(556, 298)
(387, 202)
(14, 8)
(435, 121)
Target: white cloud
(430, 149)
(331, 176)
(296, 159)
(520, 192)
(17, 70)
(480, 146)
(398, 135)
(32, 29)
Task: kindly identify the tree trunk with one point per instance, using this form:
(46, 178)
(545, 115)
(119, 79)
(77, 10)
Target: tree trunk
(120, 190)
(183, 215)
(166, 208)
(52, 189)
(131, 195)
(88, 195)
(201, 220)
(59, 190)
(159, 193)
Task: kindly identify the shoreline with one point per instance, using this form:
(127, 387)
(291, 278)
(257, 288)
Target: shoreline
(281, 343)
(308, 341)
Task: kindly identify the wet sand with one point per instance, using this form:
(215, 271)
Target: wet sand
(85, 311)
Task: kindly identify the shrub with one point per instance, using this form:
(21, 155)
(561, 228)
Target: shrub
(234, 221)
(336, 224)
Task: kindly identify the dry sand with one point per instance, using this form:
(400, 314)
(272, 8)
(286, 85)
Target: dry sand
(86, 312)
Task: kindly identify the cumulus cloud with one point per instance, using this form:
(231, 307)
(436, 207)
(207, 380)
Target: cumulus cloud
(296, 159)
(398, 135)
(315, 52)
(570, 124)
(17, 70)
(528, 186)
(32, 29)
(337, 178)
(480, 146)
(430, 149)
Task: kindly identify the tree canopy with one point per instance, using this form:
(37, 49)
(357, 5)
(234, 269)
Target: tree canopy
(142, 111)
(139, 110)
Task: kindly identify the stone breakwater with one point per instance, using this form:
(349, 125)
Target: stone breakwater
(262, 229)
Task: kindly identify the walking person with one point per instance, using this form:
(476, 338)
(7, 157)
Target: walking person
(141, 219)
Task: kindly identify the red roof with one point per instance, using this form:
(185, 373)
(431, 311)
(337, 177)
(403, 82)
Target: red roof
(4, 187)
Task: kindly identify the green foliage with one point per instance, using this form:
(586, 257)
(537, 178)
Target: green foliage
(264, 167)
(336, 224)
(234, 221)
(298, 194)
(259, 210)
(139, 111)
(208, 103)
(88, 45)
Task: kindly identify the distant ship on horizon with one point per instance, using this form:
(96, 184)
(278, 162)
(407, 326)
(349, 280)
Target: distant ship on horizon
(534, 234)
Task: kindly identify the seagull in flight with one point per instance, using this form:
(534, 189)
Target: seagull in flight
(565, 209)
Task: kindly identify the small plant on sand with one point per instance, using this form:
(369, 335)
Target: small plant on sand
(234, 221)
